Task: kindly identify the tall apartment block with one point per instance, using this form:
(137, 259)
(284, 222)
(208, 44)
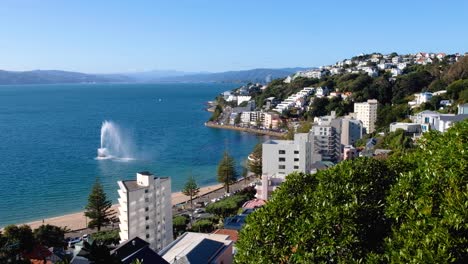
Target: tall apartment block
(367, 113)
(145, 210)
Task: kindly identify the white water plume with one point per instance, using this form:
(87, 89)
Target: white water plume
(114, 144)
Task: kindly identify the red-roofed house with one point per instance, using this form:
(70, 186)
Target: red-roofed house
(233, 234)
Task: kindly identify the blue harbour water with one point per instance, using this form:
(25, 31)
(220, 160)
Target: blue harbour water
(49, 135)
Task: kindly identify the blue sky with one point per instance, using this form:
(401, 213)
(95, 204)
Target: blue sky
(218, 35)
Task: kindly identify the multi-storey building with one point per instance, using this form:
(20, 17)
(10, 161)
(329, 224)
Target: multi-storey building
(367, 113)
(351, 131)
(145, 210)
(285, 156)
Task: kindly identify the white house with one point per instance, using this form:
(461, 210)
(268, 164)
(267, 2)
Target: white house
(243, 98)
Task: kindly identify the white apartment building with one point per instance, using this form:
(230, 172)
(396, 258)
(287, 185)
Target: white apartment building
(367, 113)
(283, 157)
(145, 210)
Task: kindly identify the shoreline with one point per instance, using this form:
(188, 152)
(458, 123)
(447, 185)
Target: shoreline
(77, 221)
(246, 129)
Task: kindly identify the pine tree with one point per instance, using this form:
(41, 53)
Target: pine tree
(98, 208)
(191, 189)
(226, 171)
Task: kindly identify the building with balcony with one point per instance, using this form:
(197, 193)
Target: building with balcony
(145, 210)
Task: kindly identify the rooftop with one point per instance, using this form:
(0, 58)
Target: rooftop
(233, 234)
(255, 203)
(183, 246)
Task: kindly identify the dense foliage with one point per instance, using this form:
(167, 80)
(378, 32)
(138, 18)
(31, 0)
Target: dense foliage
(16, 240)
(107, 237)
(179, 224)
(409, 208)
(396, 141)
(228, 206)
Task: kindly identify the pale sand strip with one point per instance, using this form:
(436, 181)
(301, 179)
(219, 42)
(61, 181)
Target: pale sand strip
(77, 221)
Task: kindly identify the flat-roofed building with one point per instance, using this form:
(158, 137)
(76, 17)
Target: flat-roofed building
(367, 113)
(145, 210)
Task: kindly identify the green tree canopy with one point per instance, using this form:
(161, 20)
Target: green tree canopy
(409, 208)
(50, 236)
(227, 171)
(98, 209)
(107, 237)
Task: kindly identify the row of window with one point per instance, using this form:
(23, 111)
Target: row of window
(284, 159)
(281, 151)
(282, 167)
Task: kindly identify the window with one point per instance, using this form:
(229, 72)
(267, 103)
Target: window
(296, 167)
(282, 152)
(147, 235)
(146, 191)
(147, 227)
(281, 167)
(146, 209)
(296, 159)
(282, 159)
(296, 152)
(147, 218)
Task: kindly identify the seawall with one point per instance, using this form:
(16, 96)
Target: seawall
(247, 129)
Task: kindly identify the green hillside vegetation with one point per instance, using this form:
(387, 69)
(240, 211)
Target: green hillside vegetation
(409, 208)
(393, 94)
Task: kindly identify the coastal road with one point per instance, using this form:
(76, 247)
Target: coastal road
(183, 207)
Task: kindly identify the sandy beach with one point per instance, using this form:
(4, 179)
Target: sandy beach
(77, 221)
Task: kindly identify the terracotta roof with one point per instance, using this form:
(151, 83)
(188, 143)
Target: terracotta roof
(255, 203)
(233, 234)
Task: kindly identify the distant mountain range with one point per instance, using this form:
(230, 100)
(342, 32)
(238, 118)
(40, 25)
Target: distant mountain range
(55, 77)
(255, 75)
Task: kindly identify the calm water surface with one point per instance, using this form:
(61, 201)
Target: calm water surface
(49, 135)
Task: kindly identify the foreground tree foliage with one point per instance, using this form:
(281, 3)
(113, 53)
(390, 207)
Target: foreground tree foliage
(50, 236)
(409, 208)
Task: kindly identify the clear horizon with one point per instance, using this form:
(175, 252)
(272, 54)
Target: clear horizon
(205, 36)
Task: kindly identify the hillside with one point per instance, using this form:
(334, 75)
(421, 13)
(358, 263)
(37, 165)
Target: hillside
(255, 75)
(53, 77)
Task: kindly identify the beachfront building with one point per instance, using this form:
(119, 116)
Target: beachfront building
(366, 112)
(145, 210)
